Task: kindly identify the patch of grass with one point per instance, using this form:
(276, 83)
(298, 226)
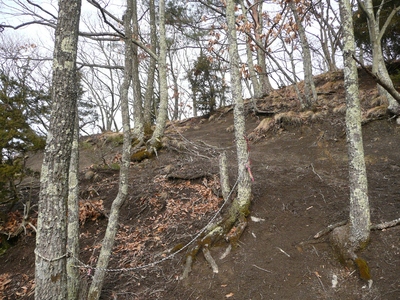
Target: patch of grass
(115, 139)
(114, 166)
(85, 145)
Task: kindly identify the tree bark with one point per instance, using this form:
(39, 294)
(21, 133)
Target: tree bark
(309, 86)
(73, 217)
(266, 86)
(359, 225)
(162, 115)
(149, 95)
(241, 203)
(112, 227)
(138, 130)
(257, 91)
(50, 263)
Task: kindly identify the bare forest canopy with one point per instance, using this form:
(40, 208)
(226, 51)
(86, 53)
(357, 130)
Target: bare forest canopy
(270, 45)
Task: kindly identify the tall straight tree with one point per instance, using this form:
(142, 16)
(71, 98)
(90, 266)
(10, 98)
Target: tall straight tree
(51, 239)
(73, 276)
(241, 203)
(149, 95)
(138, 130)
(162, 114)
(354, 235)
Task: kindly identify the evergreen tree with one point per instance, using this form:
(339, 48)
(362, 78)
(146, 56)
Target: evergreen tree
(208, 87)
(390, 44)
(19, 106)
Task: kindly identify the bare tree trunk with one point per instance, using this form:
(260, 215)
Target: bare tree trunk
(73, 217)
(50, 263)
(138, 130)
(257, 91)
(309, 87)
(241, 204)
(112, 227)
(266, 86)
(162, 115)
(149, 96)
(175, 115)
(355, 235)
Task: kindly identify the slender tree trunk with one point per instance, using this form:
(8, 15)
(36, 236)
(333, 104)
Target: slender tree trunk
(241, 203)
(175, 115)
(149, 96)
(266, 86)
(138, 130)
(257, 91)
(50, 263)
(309, 87)
(162, 115)
(359, 226)
(73, 217)
(112, 227)
(295, 78)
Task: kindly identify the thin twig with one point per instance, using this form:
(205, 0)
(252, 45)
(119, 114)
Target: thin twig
(312, 166)
(265, 270)
(283, 251)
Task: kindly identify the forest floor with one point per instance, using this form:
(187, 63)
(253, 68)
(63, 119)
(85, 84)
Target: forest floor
(299, 164)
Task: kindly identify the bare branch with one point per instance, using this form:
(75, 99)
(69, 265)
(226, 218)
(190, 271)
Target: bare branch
(390, 89)
(42, 9)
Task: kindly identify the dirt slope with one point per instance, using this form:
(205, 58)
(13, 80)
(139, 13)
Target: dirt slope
(299, 163)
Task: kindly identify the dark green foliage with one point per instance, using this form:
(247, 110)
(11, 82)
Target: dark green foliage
(16, 134)
(184, 17)
(390, 40)
(208, 87)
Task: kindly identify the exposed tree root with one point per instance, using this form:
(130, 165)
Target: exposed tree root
(347, 252)
(210, 259)
(380, 226)
(329, 229)
(229, 228)
(386, 225)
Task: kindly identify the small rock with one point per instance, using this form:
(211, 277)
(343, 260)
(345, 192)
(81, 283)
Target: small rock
(89, 175)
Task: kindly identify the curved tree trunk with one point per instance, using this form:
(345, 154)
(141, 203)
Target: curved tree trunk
(50, 263)
(378, 64)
